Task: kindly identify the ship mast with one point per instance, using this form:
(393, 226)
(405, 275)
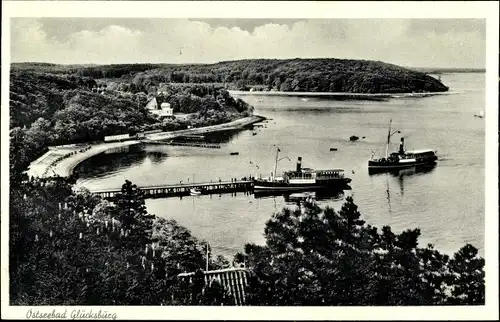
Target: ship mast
(276, 163)
(389, 134)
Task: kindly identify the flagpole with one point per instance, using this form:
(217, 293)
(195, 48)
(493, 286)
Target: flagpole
(276, 163)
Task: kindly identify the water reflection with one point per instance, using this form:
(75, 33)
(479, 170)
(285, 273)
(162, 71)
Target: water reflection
(106, 163)
(389, 196)
(294, 197)
(110, 161)
(220, 137)
(400, 174)
(156, 157)
(404, 172)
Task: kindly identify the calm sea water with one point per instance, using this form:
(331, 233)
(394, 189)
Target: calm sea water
(446, 203)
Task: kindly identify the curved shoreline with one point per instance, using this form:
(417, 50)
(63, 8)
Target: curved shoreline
(339, 94)
(72, 157)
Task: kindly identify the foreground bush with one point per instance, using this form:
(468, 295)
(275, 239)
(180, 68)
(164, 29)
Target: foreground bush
(324, 257)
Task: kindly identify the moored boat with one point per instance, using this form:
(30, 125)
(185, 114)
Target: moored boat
(402, 158)
(302, 179)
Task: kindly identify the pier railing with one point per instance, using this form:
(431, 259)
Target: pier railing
(184, 189)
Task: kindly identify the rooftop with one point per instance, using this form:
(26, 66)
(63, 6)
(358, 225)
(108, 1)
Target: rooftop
(234, 280)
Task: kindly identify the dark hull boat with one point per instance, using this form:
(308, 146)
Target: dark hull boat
(396, 164)
(403, 158)
(263, 184)
(303, 179)
(423, 168)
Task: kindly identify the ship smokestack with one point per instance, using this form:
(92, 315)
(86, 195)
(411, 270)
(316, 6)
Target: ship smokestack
(401, 146)
(299, 163)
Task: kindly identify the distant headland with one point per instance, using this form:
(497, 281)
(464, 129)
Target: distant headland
(446, 70)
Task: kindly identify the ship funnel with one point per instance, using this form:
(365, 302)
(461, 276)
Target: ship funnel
(299, 163)
(402, 146)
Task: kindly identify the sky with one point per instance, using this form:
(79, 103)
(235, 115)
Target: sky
(457, 43)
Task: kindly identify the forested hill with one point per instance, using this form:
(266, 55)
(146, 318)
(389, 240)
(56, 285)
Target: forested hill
(327, 75)
(291, 75)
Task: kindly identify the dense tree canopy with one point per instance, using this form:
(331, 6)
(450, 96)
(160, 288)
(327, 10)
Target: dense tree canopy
(54, 109)
(324, 257)
(71, 247)
(294, 75)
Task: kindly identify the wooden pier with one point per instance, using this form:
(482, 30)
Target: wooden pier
(177, 190)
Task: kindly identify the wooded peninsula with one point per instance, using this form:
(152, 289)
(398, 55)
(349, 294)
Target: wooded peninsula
(287, 75)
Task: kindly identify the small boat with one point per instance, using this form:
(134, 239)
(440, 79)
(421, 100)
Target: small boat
(402, 158)
(480, 115)
(302, 195)
(194, 192)
(353, 138)
(302, 179)
(235, 153)
(333, 149)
